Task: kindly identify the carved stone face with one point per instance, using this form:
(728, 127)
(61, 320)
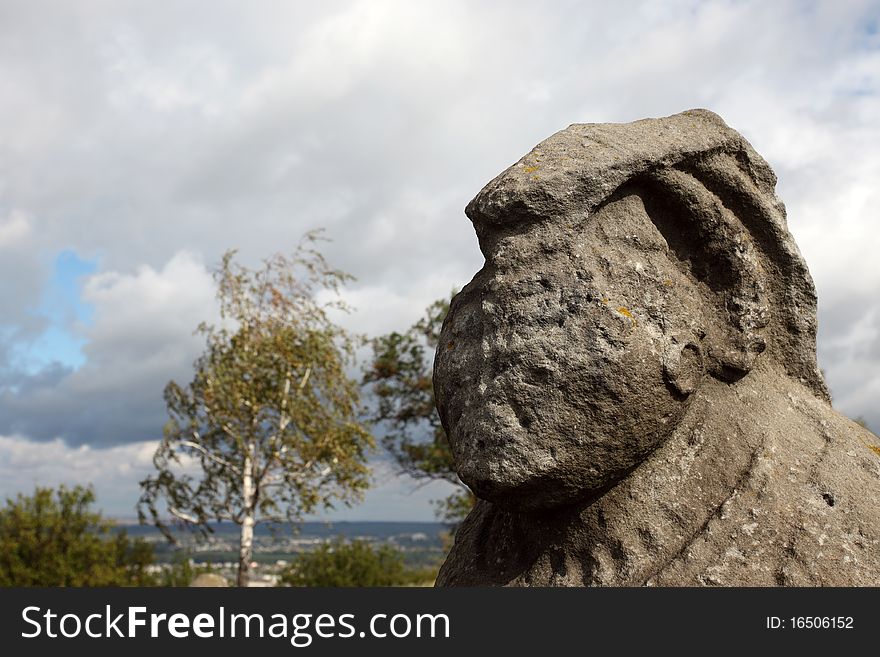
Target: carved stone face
(570, 356)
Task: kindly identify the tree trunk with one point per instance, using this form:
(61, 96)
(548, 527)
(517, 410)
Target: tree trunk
(246, 546)
(246, 550)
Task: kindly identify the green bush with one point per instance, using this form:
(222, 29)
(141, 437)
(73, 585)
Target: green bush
(52, 538)
(182, 571)
(355, 563)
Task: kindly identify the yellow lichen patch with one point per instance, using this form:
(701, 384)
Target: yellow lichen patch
(873, 448)
(626, 313)
(667, 283)
(605, 301)
(530, 169)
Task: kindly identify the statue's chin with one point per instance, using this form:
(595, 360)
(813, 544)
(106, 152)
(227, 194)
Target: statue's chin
(535, 492)
(520, 471)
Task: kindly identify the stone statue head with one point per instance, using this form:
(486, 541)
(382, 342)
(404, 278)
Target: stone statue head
(626, 266)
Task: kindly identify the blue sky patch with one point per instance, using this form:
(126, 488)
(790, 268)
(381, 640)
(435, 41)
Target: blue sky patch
(63, 308)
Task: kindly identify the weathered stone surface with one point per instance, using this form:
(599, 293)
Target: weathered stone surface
(629, 384)
(208, 580)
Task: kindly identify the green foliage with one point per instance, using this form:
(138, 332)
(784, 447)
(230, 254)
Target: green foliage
(400, 379)
(356, 563)
(52, 538)
(138, 559)
(181, 571)
(454, 507)
(270, 418)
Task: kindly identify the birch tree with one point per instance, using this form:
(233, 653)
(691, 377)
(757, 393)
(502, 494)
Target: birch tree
(267, 430)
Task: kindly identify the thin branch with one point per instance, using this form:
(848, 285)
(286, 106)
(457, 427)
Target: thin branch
(210, 455)
(302, 384)
(283, 422)
(272, 518)
(297, 477)
(182, 515)
(286, 391)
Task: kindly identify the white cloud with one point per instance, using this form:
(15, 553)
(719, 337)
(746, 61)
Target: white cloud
(114, 472)
(13, 229)
(393, 497)
(141, 337)
(192, 77)
(146, 320)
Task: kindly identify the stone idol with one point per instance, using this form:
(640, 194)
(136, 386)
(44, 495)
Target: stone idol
(629, 384)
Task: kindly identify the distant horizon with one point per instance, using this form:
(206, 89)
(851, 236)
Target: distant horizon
(132, 520)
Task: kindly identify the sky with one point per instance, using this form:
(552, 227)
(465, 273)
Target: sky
(140, 140)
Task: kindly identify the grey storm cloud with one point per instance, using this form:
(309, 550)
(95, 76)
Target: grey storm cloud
(151, 137)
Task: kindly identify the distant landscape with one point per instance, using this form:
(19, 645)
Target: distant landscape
(422, 544)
